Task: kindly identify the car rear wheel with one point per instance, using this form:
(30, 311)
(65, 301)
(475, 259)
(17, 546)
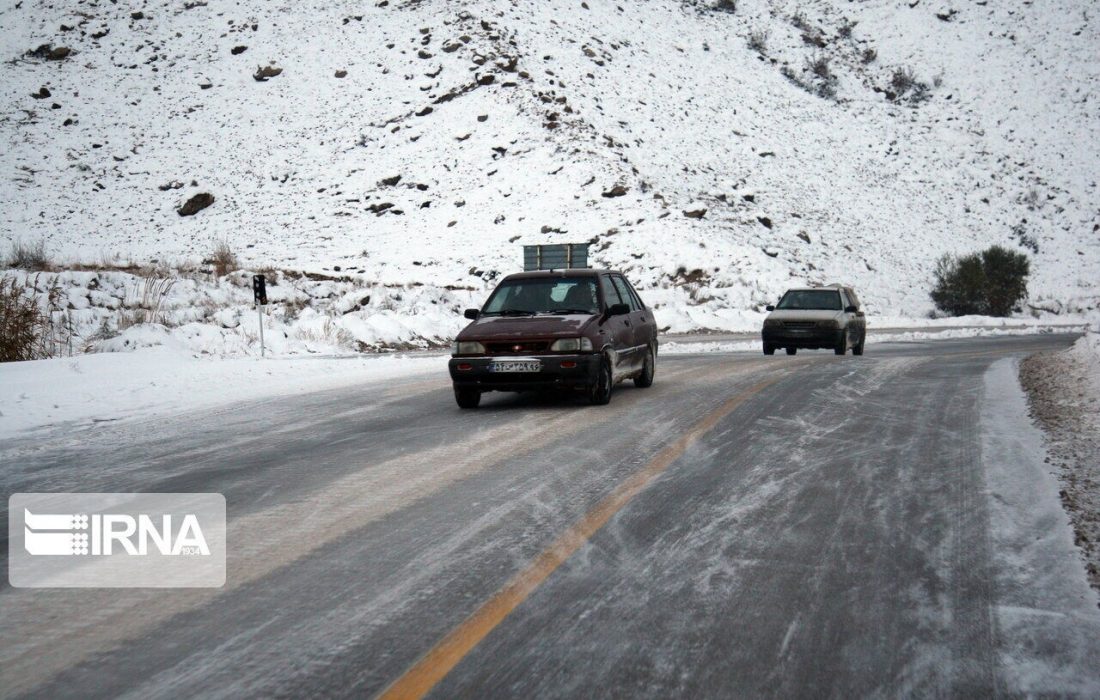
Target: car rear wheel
(645, 379)
(769, 349)
(842, 346)
(467, 398)
(858, 349)
(599, 392)
(792, 351)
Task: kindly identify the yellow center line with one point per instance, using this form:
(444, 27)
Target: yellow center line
(434, 665)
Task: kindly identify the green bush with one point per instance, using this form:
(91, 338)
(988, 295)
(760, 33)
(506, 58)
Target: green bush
(990, 283)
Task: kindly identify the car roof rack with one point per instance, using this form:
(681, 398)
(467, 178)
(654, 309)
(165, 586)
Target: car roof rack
(560, 256)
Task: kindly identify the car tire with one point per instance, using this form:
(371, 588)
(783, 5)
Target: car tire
(792, 351)
(467, 398)
(858, 349)
(645, 379)
(599, 392)
(769, 349)
(842, 346)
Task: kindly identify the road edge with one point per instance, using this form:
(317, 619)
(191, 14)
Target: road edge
(1046, 612)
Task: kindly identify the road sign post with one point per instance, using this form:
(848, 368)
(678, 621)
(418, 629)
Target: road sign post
(259, 292)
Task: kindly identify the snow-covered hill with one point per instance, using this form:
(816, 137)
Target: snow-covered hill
(826, 140)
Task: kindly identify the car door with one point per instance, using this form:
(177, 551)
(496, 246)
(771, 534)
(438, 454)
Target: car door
(645, 325)
(618, 330)
(636, 319)
(859, 319)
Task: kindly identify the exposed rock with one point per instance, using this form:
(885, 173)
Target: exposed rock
(264, 72)
(695, 212)
(424, 112)
(42, 94)
(423, 54)
(483, 117)
(764, 221)
(616, 191)
(137, 15)
(380, 208)
(390, 181)
(804, 236)
(196, 204)
(48, 52)
(341, 74)
(238, 50)
(486, 79)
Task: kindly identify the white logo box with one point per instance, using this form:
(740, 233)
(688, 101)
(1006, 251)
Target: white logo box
(116, 540)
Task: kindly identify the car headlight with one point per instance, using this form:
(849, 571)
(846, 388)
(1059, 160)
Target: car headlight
(772, 322)
(828, 324)
(467, 348)
(572, 345)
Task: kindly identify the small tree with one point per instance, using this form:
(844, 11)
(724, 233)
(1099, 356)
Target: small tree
(992, 282)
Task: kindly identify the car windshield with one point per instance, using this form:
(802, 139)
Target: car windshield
(811, 300)
(543, 295)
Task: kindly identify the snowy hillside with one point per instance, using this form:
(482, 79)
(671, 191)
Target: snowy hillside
(420, 143)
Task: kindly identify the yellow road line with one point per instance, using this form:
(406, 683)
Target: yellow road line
(433, 666)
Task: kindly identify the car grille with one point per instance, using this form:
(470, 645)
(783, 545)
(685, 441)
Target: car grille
(519, 347)
(799, 324)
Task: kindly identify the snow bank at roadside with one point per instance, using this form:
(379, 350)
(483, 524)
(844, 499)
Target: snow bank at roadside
(1086, 352)
(115, 386)
(682, 348)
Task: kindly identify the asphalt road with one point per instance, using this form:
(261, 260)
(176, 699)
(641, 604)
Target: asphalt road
(781, 526)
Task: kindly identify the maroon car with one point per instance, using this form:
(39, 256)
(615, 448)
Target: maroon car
(580, 330)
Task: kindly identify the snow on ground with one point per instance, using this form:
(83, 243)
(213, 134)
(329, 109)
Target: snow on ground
(462, 130)
(1064, 394)
(679, 347)
(114, 386)
(1047, 619)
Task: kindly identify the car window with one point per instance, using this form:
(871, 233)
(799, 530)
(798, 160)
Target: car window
(543, 295)
(634, 294)
(624, 292)
(610, 294)
(810, 300)
(844, 302)
(852, 297)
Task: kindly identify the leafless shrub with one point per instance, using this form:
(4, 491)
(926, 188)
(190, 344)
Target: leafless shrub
(29, 256)
(819, 66)
(758, 41)
(32, 323)
(148, 303)
(729, 6)
(224, 259)
(868, 56)
(799, 21)
(845, 30)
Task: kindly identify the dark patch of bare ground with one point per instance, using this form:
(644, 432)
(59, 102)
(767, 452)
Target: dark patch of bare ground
(1068, 410)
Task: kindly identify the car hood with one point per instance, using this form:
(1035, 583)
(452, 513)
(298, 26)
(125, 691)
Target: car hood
(509, 327)
(799, 315)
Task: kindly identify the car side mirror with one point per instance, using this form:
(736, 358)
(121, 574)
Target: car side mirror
(471, 314)
(770, 307)
(618, 310)
(850, 310)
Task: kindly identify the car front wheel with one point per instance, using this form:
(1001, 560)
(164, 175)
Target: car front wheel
(769, 349)
(645, 379)
(842, 346)
(467, 398)
(599, 392)
(792, 351)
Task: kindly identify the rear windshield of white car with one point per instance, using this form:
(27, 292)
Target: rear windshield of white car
(810, 300)
(544, 296)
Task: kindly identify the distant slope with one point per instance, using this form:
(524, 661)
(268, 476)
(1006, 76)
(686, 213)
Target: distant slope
(512, 122)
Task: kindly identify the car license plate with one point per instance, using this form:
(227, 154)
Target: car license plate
(515, 366)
